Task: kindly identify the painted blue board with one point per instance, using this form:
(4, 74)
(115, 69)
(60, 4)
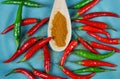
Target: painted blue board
(7, 43)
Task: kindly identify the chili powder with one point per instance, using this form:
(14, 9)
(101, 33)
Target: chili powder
(59, 29)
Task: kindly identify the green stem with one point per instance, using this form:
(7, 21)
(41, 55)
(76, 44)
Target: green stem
(30, 66)
(109, 27)
(13, 71)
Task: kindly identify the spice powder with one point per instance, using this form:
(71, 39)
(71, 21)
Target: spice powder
(59, 29)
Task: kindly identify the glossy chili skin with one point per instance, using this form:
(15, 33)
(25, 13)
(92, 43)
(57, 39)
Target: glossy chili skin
(90, 55)
(103, 46)
(87, 45)
(23, 48)
(24, 22)
(94, 63)
(93, 30)
(91, 69)
(105, 40)
(32, 4)
(35, 48)
(87, 7)
(36, 27)
(99, 14)
(91, 23)
(47, 59)
(23, 71)
(68, 50)
(75, 76)
(25, 3)
(81, 4)
(17, 25)
(44, 75)
(11, 2)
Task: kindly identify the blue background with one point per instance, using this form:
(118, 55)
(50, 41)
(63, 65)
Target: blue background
(7, 43)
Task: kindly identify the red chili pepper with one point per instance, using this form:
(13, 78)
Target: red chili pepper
(23, 71)
(36, 27)
(75, 76)
(23, 48)
(105, 40)
(24, 22)
(98, 14)
(46, 59)
(103, 46)
(94, 30)
(87, 7)
(35, 48)
(95, 63)
(44, 75)
(67, 51)
(87, 45)
(97, 24)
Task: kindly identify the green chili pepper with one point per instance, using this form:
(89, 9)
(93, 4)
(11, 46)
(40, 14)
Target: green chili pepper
(90, 55)
(12, 2)
(25, 3)
(17, 25)
(32, 4)
(92, 69)
(81, 4)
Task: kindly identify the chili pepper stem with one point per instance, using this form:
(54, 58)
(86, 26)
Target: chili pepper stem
(75, 16)
(47, 72)
(80, 17)
(61, 67)
(22, 60)
(76, 34)
(74, 62)
(25, 37)
(13, 71)
(30, 66)
(109, 70)
(109, 27)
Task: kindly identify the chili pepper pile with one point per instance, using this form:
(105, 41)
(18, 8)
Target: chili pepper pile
(93, 59)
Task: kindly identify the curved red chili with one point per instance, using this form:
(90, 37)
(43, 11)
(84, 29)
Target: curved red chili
(24, 22)
(35, 48)
(94, 30)
(87, 7)
(98, 14)
(103, 46)
(105, 40)
(23, 48)
(87, 45)
(75, 76)
(67, 51)
(36, 27)
(95, 63)
(96, 24)
(46, 59)
(44, 75)
(23, 71)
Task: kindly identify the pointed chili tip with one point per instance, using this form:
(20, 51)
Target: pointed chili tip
(3, 32)
(6, 61)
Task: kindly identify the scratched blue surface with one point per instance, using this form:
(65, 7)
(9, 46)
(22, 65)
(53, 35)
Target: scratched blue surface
(7, 43)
